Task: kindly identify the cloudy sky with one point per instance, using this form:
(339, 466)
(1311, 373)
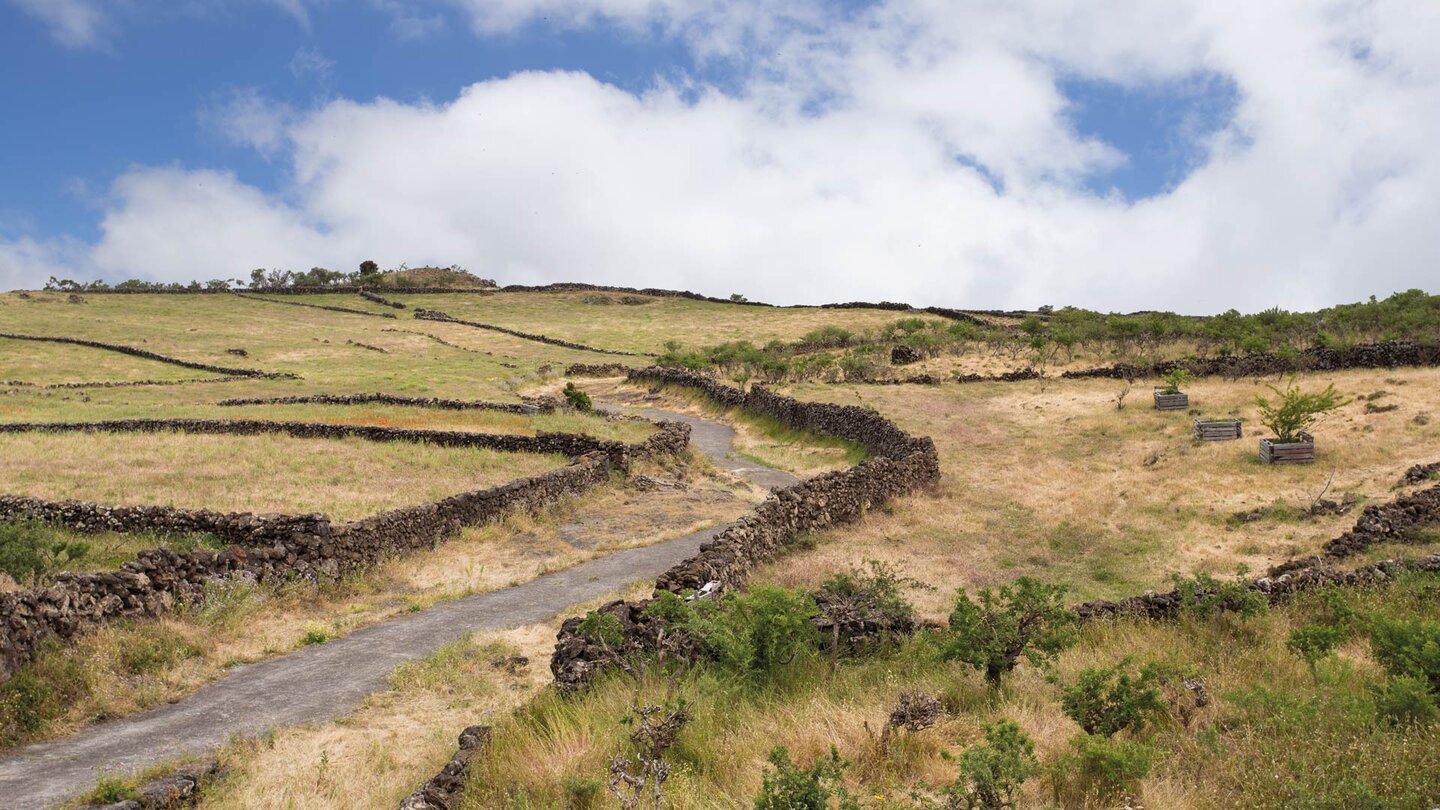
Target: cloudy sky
(1189, 154)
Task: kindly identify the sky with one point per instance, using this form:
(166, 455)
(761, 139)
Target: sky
(1191, 155)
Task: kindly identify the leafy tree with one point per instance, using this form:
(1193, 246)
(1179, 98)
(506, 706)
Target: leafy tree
(1109, 699)
(790, 787)
(1173, 379)
(369, 268)
(1294, 412)
(1026, 618)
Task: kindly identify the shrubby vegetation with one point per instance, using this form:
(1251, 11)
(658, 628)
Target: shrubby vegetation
(1050, 335)
(369, 274)
(1134, 690)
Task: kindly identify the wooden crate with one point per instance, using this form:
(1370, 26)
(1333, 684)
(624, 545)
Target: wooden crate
(1301, 452)
(1218, 430)
(1178, 401)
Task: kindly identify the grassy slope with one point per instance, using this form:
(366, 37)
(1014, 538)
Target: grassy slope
(1272, 735)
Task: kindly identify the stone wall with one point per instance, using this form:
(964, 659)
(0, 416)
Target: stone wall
(240, 528)
(1389, 354)
(568, 444)
(899, 463)
(380, 299)
(441, 790)
(596, 370)
(436, 315)
(148, 355)
(390, 399)
(158, 579)
(1379, 523)
(346, 310)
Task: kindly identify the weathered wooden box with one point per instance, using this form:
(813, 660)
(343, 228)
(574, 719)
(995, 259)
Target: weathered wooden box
(1177, 401)
(1301, 452)
(1218, 430)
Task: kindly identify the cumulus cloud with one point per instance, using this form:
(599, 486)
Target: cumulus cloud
(73, 23)
(919, 150)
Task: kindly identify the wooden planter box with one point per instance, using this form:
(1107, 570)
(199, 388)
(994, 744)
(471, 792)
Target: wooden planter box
(1301, 452)
(1218, 430)
(1177, 401)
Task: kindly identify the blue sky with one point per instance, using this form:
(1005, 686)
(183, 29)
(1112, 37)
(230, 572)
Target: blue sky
(1104, 153)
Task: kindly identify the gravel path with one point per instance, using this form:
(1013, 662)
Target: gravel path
(323, 682)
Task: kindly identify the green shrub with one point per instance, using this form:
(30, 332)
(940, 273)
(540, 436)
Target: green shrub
(866, 601)
(1026, 618)
(40, 692)
(581, 792)
(602, 628)
(992, 772)
(314, 635)
(1204, 596)
(1098, 768)
(1295, 411)
(1173, 379)
(1409, 647)
(1314, 642)
(758, 631)
(1405, 701)
(578, 399)
(1107, 700)
(790, 787)
(112, 789)
(32, 552)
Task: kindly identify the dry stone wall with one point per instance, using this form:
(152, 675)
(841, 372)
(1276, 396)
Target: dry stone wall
(158, 579)
(899, 463)
(568, 444)
(346, 310)
(149, 355)
(547, 406)
(441, 790)
(436, 315)
(1389, 354)
(380, 299)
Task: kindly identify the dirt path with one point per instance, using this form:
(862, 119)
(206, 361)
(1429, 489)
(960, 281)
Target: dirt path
(323, 682)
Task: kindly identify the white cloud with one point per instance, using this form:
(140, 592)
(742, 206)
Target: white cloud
(407, 22)
(243, 117)
(834, 172)
(73, 23)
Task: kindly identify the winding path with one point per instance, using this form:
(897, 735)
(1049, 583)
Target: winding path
(319, 683)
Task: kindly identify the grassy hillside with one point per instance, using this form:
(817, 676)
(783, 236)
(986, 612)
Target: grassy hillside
(1048, 479)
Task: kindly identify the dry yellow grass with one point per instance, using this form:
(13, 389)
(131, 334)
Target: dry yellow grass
(245, 624)
(1052, 480)
(343, 478)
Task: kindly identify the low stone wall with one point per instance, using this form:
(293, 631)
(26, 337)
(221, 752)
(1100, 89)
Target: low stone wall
(568, 444)
(158, 579)
(180, 788)
(441, 790)
(346, 310)
(1379, 523)
(390, 399)
(380, 299)
(240, 528)
(596, 370)
(1389, 354)
(1420, 473)
(436, 315)
(149, 355)
(899, 463)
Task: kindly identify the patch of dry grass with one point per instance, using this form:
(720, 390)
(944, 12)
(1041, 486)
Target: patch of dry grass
(1052, 480)
(346, 479)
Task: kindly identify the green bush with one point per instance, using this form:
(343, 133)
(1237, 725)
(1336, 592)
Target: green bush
(578, 399)
(32, 552)
(1026, 618)
(581, 792)
(1408, 647)
(1405, 701)
(1294, 411)
(602, 628)
(1173, 379)
(992, 772)
(758, 631)
(1109, 699)
(1314, 642)
(113, 789)
(790, 787)
(40, 692)
(1098, 768)
(1204, 596)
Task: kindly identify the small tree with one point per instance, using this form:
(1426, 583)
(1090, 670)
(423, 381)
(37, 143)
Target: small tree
(655, 728)
(577, 398)
(1173, 379)
(1027, 618)
(790, 787)
(1107, 700)
(992, 772)
(1294, 411)
(369, 268)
